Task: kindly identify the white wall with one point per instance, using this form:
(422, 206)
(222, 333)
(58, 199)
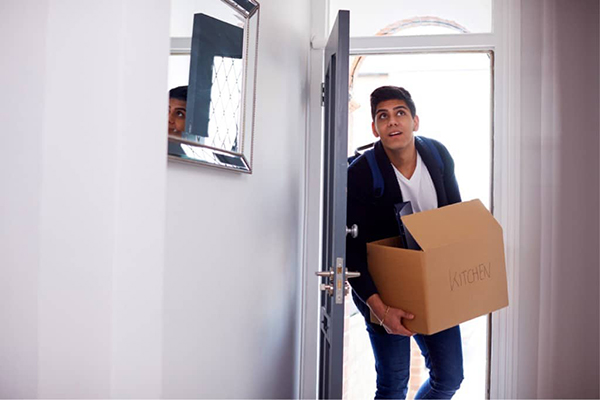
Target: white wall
(84, 255)
(82, 214)
(233, 244)
(21, 101)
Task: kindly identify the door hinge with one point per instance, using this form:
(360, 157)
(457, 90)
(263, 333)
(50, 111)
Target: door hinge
(322, 94)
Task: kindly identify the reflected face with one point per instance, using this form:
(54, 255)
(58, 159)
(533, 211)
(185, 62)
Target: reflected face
(395, 125)
(176, 117)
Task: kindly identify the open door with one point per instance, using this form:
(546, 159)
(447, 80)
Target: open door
(335, 166)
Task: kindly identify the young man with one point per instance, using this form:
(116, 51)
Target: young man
(177, 110)
(411, 172)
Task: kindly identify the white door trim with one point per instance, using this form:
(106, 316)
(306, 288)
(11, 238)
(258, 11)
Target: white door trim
(311, 247)
(507, 166)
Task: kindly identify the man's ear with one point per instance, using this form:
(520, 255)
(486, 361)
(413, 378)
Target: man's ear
(375, 133)
(416, 119)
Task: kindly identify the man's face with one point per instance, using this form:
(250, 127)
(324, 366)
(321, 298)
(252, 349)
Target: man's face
(176, 117)
(394, 124)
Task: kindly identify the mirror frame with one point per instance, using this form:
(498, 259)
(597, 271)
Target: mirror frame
(241, 161)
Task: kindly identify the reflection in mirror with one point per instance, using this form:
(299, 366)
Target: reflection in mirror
(213, 60)
(215, 82)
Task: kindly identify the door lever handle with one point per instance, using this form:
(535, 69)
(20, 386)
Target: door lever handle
(325, 274)
(350, 274)
(329, 274)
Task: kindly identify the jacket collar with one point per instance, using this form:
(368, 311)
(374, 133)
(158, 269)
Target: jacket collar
(392, 191)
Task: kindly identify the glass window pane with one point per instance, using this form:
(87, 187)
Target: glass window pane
(410, 17)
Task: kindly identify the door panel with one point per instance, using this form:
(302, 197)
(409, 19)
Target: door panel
(334, 210)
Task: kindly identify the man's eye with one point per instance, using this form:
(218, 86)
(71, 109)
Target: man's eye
(382, 116)
(180, 114)
(400, 112)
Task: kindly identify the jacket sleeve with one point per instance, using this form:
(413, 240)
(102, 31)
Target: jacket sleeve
(359, 204)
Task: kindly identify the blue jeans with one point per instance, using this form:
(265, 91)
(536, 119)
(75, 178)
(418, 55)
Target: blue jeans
(443, 358)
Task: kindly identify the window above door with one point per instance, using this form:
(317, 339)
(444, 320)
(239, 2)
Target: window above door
(415, 18)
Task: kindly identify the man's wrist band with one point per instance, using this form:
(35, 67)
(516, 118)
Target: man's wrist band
(384, 315)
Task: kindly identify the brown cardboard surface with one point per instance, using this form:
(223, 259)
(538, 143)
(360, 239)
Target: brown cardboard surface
(450, 224)
(391, 268)
(459, 275)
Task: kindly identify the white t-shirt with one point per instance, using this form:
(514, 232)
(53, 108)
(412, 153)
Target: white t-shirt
(419, 189)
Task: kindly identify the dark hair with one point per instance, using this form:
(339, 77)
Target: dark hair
(384, 93)
(179, 93)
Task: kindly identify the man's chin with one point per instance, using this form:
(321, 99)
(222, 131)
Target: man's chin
(397, 145)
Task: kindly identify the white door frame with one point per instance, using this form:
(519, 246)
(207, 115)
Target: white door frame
(505, 42)
(311, 240)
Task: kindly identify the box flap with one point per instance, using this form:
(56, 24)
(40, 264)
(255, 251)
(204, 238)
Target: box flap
(450, 224)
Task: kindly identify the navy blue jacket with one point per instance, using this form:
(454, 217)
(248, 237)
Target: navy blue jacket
(375, 216)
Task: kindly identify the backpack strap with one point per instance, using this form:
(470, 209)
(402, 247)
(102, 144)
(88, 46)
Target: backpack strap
(359, 152)
(378, 184)
(433, 150)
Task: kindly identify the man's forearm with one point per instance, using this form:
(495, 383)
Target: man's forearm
(377, 305)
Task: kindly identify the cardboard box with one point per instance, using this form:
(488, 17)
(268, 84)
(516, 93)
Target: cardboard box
(458, 275)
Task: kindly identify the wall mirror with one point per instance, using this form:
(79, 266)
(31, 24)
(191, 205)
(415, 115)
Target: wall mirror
(212, 81)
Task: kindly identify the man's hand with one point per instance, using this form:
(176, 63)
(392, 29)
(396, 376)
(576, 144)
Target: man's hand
(392, 317)
(393, 322)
